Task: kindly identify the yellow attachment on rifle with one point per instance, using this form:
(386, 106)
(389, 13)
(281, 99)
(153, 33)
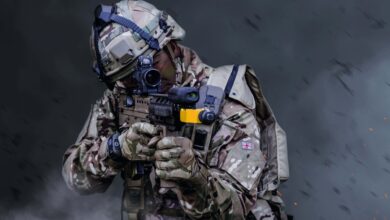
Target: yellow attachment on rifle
(190, 116)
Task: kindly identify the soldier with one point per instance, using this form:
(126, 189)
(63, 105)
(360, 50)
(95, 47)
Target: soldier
(225, 163)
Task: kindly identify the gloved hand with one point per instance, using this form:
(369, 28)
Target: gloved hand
(175, 159)
(138, 143)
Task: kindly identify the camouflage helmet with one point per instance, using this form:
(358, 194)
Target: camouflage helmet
(124, 32)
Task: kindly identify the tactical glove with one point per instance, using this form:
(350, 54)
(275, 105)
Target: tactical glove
(136, 144)
(175, 159)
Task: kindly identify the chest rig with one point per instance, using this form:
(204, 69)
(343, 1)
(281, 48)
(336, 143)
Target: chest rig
(175, 116)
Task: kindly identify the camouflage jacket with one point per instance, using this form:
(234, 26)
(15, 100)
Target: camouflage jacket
(226, 186)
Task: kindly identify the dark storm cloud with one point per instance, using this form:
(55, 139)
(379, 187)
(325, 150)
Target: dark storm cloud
(323, 66)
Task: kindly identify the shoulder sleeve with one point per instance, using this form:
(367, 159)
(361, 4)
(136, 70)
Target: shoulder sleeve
(240, 155)
(246, 90)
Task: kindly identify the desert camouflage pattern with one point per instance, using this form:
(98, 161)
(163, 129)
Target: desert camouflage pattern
(231, 183)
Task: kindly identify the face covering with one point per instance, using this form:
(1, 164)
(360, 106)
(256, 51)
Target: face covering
(163, 63)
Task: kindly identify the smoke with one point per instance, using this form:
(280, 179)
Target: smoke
(55, 201)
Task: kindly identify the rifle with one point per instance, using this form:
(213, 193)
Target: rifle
(172, 112)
